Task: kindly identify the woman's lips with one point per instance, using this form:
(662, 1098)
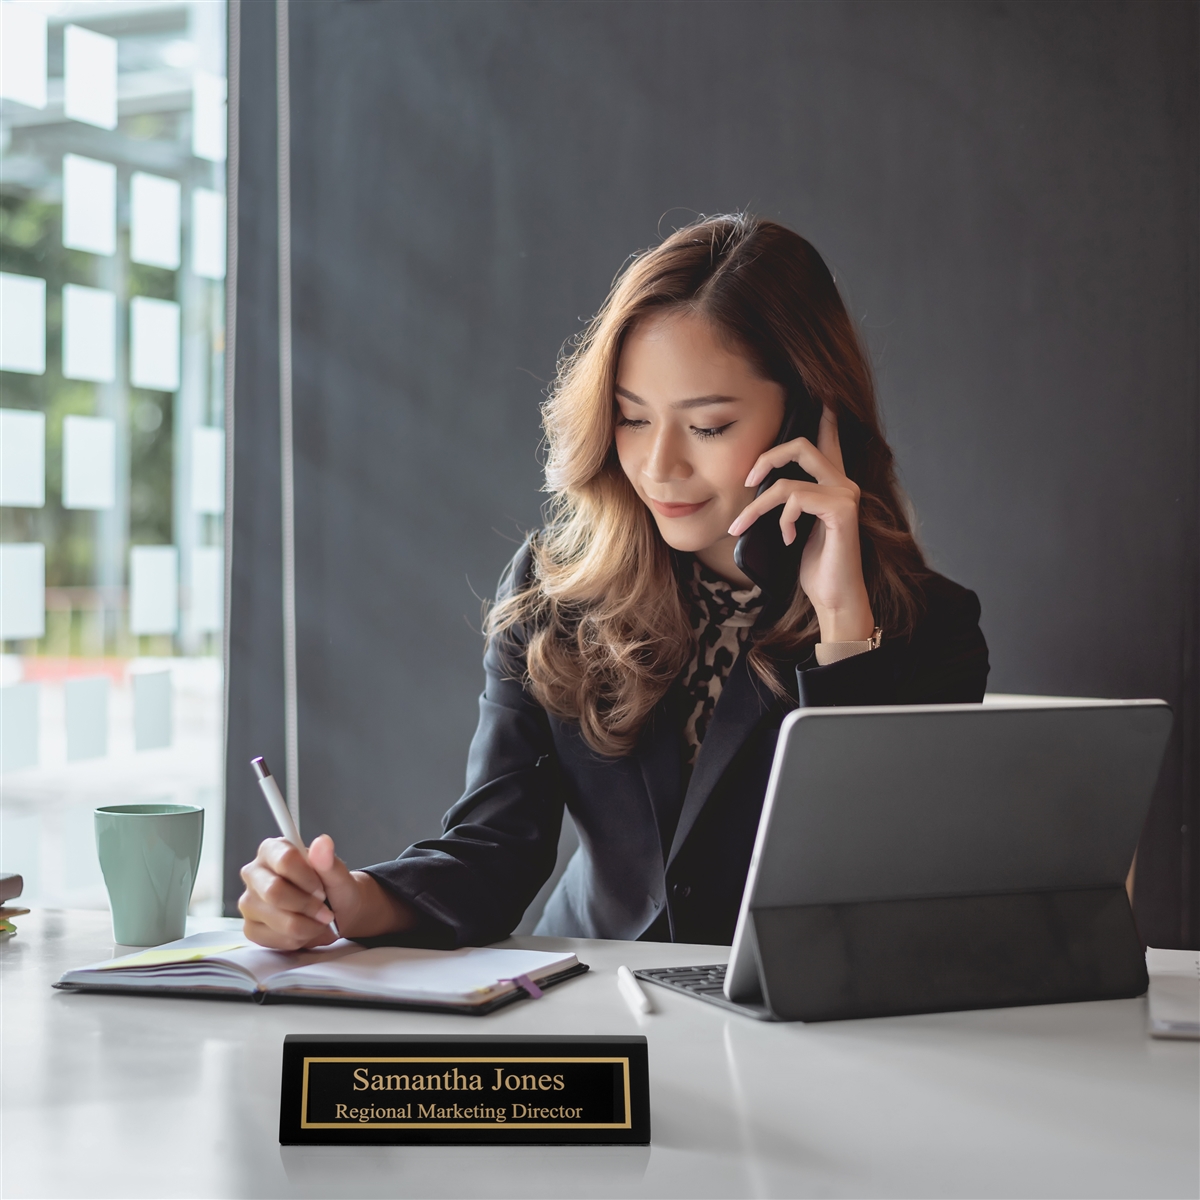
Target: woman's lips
(676, 510)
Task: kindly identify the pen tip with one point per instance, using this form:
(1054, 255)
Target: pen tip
(260, 767)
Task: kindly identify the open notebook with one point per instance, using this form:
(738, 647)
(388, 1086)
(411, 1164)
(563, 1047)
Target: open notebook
(471, 980)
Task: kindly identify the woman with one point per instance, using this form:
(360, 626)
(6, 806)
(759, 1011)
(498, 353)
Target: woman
(633, 673)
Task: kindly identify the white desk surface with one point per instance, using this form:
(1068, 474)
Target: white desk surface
(134, 1096)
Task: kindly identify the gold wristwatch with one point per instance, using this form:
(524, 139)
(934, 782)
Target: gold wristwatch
(831, 652)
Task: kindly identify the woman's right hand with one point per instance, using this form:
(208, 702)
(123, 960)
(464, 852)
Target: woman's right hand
(284, 902)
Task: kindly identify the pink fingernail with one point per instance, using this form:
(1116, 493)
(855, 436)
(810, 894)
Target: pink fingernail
(324, 915)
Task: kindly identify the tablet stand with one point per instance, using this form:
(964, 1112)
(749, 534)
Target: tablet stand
(886, 958)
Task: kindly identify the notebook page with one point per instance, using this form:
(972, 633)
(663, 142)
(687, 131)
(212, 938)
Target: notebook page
(189, 961)
(466, 976)
(261, 964)
(216, 960)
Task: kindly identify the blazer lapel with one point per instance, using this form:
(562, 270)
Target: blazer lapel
(744, 700)
(659, 757)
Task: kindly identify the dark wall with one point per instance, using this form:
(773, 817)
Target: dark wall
(1007, 194)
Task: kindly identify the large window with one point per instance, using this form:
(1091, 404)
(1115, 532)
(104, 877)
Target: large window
(112, 494)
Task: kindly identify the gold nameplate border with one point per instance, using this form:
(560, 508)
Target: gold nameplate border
(370, 1060)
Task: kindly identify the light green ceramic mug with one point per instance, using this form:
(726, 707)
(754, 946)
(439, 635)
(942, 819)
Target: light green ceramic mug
(149, 854)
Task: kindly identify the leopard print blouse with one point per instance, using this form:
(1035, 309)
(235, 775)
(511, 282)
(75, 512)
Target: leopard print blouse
(721, 618)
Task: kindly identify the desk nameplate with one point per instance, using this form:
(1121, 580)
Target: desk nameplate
(373, 1090)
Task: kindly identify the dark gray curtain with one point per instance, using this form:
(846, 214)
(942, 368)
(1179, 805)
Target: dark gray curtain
(254, 719)
(1007, 193)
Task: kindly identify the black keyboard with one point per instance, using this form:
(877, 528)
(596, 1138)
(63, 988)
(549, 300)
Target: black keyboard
(705, 983)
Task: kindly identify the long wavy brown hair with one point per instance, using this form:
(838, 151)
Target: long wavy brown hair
(602, 616)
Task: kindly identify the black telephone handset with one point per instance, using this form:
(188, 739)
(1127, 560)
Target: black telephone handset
(760, 552)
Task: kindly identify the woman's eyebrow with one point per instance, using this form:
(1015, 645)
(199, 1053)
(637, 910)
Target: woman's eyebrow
(696, 402)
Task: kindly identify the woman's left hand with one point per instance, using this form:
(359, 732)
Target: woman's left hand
(831, 566)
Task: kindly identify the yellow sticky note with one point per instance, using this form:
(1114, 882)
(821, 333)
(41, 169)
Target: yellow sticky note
(164, 958)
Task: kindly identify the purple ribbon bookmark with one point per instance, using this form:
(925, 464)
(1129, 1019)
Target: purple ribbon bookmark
(523, 981)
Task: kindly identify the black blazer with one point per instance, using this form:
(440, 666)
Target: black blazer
(653, 861)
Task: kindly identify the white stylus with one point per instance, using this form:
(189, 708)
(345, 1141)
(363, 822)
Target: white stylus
(632, 992)
(282, 815)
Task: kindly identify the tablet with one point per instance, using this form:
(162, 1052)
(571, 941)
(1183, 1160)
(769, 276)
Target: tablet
(934, 857)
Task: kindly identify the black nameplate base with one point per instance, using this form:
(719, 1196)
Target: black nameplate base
(379, 1090)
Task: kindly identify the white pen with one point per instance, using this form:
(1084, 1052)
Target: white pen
(632, 992)
(282, 815)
